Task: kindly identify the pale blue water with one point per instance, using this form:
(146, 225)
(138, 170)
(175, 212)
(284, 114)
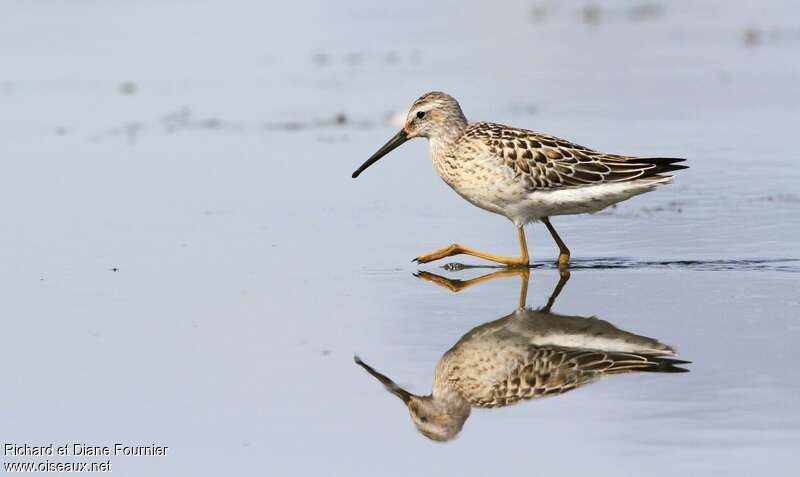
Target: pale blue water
(204, 151)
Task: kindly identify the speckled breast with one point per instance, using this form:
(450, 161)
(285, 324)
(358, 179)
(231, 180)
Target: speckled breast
(478, 178)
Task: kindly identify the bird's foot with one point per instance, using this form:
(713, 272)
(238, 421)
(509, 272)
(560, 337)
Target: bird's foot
(457, 285)
(449, 251)
(456, 249)
(451, 284)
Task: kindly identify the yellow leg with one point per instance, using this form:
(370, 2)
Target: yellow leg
(456, 249)
(456, 285)
(524, 274)
(563, 255)
(459, 285)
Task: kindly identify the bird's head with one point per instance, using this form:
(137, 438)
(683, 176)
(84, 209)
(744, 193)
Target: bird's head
(434, 419)
(434, 115)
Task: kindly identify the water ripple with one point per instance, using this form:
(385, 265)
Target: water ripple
(791, 265)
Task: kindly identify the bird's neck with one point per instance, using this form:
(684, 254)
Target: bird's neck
(447, 395)
(446, 136)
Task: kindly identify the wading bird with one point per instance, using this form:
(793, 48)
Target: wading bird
(526, 355)
(523, 175)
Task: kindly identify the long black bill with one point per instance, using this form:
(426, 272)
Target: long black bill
(387, 383)
(395, 141)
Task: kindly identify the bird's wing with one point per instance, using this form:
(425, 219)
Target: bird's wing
(553, 371)
(545, 162)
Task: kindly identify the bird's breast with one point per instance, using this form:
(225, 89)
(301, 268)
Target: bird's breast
(480, 180)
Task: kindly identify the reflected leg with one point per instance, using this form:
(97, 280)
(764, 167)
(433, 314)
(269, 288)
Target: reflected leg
(459, 285)
(562, 280)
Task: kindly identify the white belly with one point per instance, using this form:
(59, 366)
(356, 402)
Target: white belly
(579, 200)
(522, 207)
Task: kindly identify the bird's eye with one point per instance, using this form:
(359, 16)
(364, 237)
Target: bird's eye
(423, 418)
(420, 114)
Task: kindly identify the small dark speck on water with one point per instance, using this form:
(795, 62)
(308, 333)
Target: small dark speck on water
(128, 87)
(321, 59)
(539, 13)
(354, 58)
(591, 14)
(392, 57)
(752, 36)
(114, 269)
(211, 123)
(645, 12)
(783, 198)
(523, 108)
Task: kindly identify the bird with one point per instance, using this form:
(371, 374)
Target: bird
(528, 354)
(521, 174)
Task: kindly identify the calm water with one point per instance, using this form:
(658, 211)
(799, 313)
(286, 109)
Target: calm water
(187, 261)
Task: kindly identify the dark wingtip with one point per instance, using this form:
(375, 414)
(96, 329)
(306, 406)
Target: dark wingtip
(357, 360)
(664, 160)
(675, 369)
(664, 164)
(671, 365)
(355, 174)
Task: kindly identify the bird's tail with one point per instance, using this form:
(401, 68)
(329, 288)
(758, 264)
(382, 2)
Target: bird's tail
(663, 164)
(613, 363)
(666, 365)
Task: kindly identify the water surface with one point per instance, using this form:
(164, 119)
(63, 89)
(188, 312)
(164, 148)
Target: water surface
(187, 260)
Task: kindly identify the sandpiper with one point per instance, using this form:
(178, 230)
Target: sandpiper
(524, 175)
(526, 355)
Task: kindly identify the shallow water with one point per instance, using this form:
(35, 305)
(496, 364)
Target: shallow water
(188, 262)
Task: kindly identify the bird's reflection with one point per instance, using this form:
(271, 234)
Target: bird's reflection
(529, 354)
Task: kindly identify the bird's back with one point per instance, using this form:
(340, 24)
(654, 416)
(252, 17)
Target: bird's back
(545, 162)
(532, 354)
